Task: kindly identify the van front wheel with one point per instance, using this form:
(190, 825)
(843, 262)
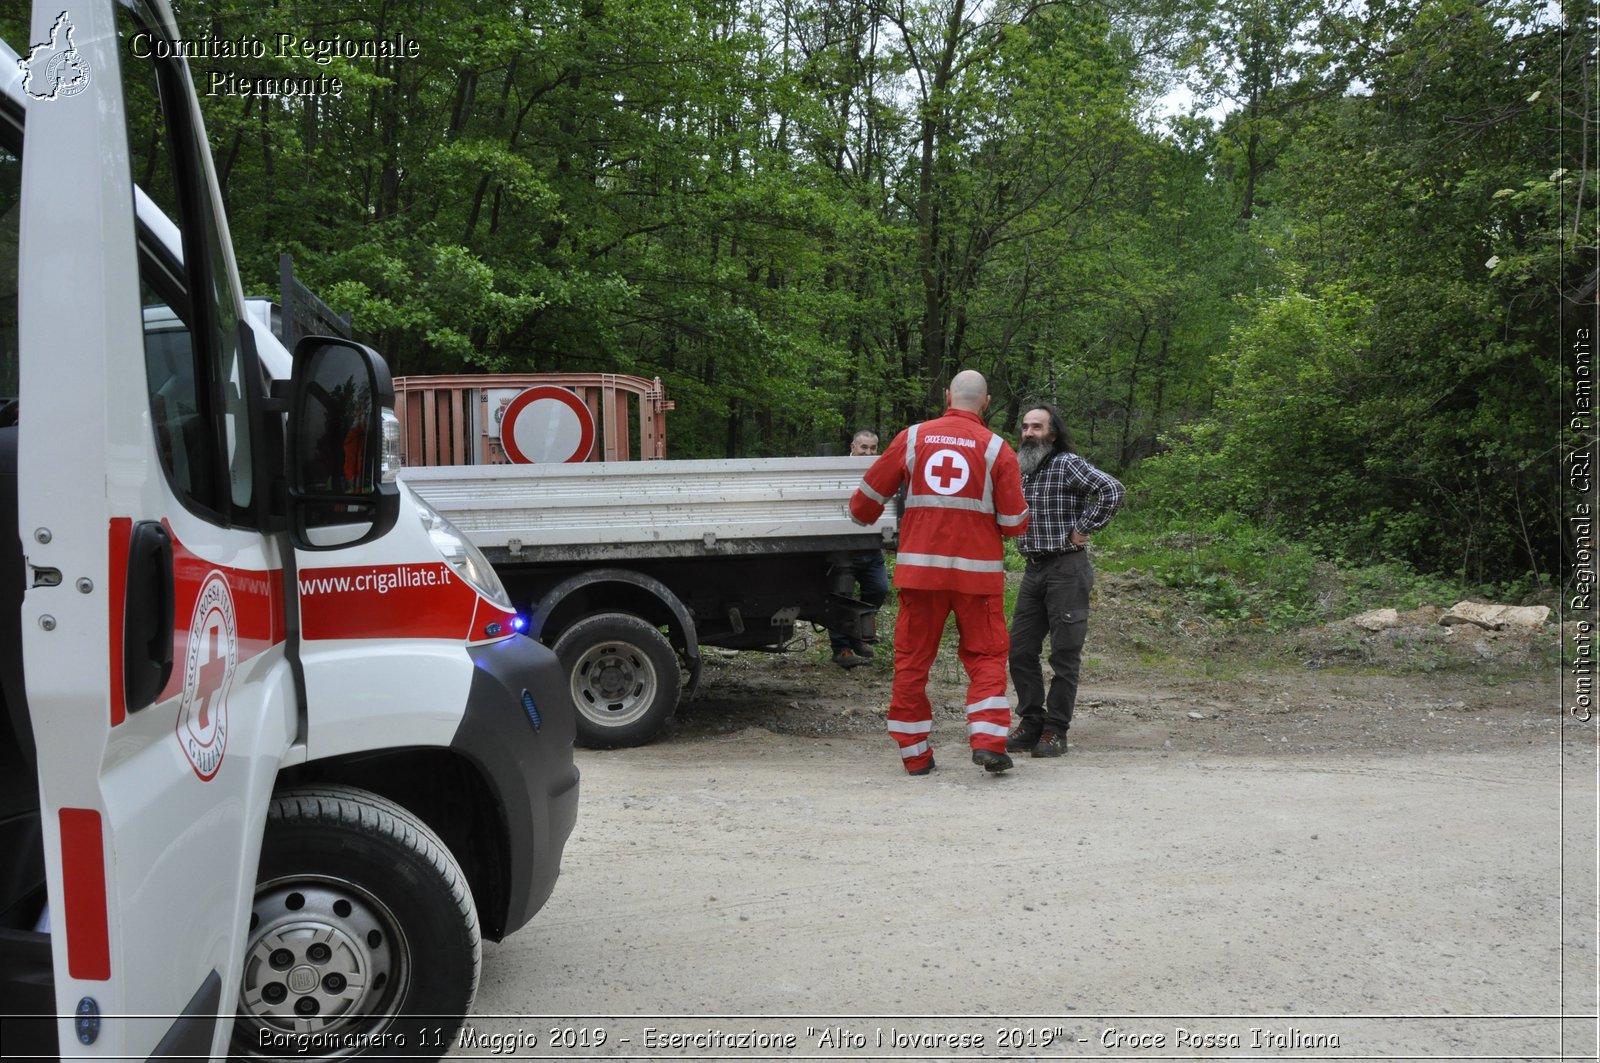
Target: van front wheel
(623, 674)
(363, 936)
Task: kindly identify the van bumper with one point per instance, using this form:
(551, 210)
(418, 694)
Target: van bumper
(518, 729)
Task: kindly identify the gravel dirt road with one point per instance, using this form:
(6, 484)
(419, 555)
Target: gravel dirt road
(1285, 863)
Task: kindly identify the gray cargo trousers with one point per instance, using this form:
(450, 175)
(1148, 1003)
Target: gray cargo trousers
(1053, 601)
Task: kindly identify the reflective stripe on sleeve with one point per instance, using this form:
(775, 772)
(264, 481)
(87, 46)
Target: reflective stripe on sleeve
(1011, 522)
(867, 490)
(990, 452)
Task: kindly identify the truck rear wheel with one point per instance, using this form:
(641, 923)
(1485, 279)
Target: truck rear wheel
(363, 935)
(624, 679)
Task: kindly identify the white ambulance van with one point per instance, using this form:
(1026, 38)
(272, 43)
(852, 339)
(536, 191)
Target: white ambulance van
(273, 758)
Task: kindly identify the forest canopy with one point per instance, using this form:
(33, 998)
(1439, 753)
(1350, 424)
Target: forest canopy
(1304, 261)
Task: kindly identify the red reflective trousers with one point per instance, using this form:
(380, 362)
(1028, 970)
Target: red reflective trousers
(983, 647)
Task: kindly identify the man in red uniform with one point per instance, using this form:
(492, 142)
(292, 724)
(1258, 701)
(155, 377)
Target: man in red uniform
(964, 494)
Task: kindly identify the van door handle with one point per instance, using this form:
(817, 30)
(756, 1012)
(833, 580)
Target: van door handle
(147, 618)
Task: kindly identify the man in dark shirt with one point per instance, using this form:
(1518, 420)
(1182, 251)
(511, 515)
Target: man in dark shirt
(865, 567)
(1069, 500)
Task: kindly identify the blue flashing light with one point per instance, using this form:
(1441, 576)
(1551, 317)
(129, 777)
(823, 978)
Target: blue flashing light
(531, 709)
(514, 626)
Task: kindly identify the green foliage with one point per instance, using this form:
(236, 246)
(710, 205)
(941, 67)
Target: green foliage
(1325, 310)
(1392, 394)
(1391, 585)
(1285, 444)
(1232, 569)
(1240, 574)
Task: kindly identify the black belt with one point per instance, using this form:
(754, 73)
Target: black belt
(1051, 554)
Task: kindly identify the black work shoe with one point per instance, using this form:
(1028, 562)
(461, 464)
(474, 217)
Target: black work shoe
(1050, 744)
(1023, 737)
(989, 760)
(922, 771)
(862, 650)
(849, 659)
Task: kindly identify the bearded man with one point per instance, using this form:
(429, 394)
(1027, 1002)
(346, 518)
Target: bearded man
(1068, 500)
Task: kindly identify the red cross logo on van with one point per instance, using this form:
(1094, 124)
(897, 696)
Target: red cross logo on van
(209, 662)
(947, 471)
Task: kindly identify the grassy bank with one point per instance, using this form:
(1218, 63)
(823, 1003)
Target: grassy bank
(1226, 596)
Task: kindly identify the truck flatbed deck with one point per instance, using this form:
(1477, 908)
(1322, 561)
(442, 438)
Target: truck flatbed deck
(658, 509)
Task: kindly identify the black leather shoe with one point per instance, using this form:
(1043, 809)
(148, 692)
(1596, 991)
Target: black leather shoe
(862, 650)
(1050, 744)
(922, 771)
(1023, 737)
(989, 760)
(848, 659)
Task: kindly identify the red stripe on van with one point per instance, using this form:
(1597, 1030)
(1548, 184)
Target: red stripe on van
(258, 605)
(83, 873)
(424, 600)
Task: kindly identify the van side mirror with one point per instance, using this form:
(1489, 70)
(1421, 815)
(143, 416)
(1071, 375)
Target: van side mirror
(338, 493)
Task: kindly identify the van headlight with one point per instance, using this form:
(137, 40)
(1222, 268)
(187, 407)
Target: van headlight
(462, 555)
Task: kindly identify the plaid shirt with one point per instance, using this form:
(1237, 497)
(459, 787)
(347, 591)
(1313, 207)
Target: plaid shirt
(1066, 494)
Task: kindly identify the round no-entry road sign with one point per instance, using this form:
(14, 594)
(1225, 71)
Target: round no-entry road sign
(547, 424)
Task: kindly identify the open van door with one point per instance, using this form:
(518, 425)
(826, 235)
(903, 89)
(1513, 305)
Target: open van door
(153, 626)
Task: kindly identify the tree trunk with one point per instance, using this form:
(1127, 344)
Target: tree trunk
(935, 114)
